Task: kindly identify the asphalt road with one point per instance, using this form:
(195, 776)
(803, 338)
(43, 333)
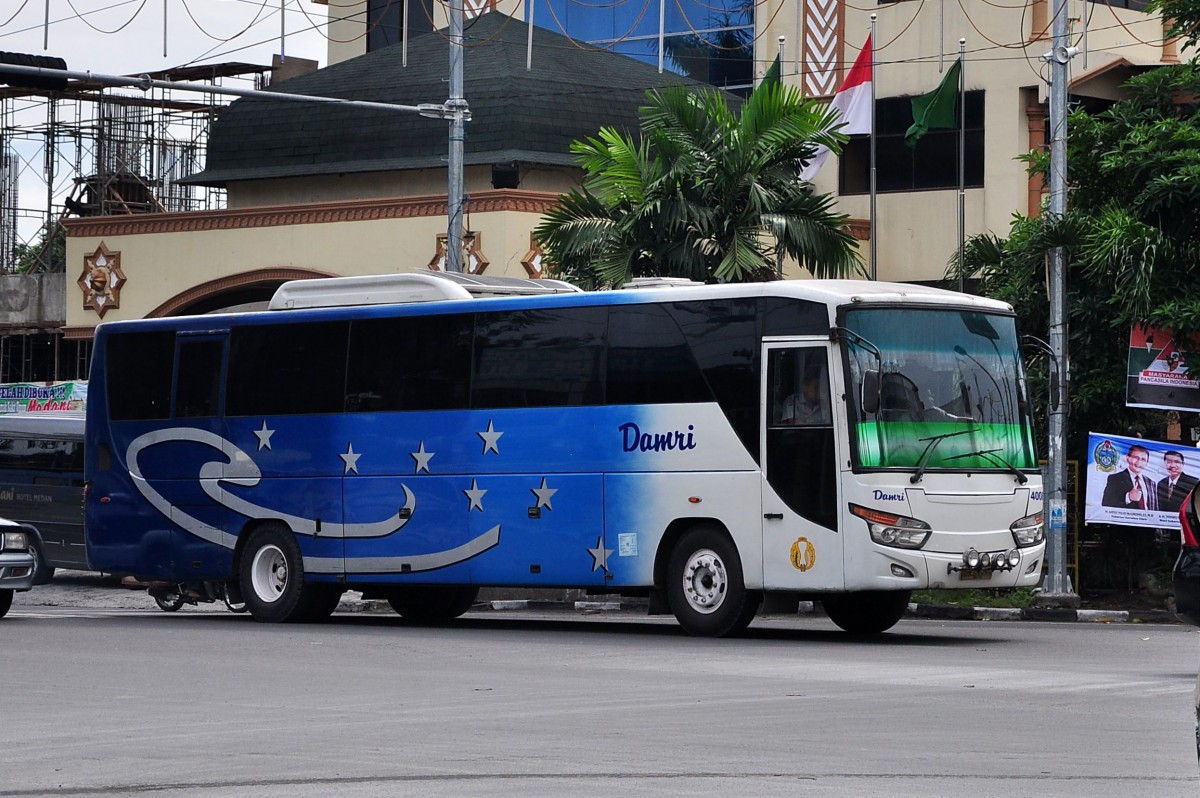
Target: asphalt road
(133, 701)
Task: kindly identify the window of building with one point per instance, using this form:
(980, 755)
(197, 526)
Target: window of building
(707, 41)
(932, 164)
(385, 19)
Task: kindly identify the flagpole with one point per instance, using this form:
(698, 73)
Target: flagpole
(874, 248)
(962, 156)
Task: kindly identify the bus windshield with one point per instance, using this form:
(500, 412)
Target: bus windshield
(937, 390)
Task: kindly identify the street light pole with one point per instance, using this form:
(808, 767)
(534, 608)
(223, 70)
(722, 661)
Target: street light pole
(456, 106)
(1056, 589)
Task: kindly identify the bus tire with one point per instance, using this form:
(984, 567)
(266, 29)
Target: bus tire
(271, 575)
(5, 601)
(170, 600)
(432, 603)
(43, 572)
(869, 612)
(705, 587)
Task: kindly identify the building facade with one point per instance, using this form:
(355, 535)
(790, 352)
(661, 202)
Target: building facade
(319, 194)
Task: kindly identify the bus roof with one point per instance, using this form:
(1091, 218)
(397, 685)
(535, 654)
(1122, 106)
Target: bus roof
(305, 301)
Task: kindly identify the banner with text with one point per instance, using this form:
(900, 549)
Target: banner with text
(40, 397)
(1136, 482)
(1158, 374)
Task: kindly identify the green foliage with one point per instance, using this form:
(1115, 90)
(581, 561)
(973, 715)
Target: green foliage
(1132, 238)
(1019, 597)
(706, 192)
(1184, 18)
(33, 258)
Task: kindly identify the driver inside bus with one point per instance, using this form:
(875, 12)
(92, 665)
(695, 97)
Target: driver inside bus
(811, 407)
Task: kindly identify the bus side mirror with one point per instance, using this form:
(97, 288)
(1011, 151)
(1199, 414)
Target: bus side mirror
(869, 401)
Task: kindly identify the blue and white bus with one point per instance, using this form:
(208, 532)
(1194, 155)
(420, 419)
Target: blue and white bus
(717, 449)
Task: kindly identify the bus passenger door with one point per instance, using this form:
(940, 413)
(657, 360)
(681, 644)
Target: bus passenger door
(800, 421)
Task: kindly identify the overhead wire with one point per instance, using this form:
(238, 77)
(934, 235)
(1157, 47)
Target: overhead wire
(102, 30)
(201, 28)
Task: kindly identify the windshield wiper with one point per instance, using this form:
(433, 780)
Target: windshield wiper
(991, 456)
(923, 460)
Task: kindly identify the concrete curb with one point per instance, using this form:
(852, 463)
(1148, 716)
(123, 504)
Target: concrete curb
(928, 611)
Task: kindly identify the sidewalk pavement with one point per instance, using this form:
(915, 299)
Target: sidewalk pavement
(92, 590)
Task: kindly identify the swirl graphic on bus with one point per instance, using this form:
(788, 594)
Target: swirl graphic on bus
(242, 471)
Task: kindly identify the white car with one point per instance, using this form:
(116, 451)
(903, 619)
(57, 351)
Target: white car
(16, 563)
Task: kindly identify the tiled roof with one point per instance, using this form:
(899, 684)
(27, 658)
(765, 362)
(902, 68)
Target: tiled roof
(528, 116)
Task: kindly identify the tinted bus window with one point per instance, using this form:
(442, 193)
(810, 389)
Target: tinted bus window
(649, 362)
(782, 316)
(539, 358)
(287, 369)
(198, 387)
(41, 460)
(411, 363)
(138, 369)
(724, 339)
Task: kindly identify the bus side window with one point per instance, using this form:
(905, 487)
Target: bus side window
(198, 385)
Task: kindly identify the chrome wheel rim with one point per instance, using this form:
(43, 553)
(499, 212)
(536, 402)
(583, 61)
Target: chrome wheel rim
(269, 573)
(705, 581)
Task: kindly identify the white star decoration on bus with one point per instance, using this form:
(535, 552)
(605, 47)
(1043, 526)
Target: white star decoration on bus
(490, 438)
(350, 458)
(422, 457)
(475, 495)
(543, 495)
(264, 436)
(600, 555)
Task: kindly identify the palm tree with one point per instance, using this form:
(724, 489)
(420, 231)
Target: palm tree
(705, 193)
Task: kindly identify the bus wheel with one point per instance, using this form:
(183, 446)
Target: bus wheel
(705, 586)
(869, 612)
(5, 601)
(432, 603)
(271, 574)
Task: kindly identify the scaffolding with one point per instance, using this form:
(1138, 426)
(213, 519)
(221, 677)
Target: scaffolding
(91, 151)
(95, 151)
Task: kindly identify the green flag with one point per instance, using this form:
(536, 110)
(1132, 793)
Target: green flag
(773, 73)
(935, 109)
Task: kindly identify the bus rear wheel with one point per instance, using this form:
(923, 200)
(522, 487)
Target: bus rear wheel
(869, 612)
(432, 603)
(271, 576)
(705, 587)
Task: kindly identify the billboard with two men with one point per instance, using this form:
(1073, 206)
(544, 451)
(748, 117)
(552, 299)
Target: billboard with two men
(1136, 482)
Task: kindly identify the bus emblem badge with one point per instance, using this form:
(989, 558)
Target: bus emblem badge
(804, 554)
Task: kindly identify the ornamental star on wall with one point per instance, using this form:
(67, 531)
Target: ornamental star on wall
(101, 280)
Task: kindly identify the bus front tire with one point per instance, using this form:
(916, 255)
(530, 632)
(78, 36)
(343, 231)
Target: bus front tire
(271, 576)
(432, 603)
(869, 612)
(6, 597)
(705, 587)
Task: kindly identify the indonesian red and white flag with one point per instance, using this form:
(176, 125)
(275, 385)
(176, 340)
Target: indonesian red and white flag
(853, 104)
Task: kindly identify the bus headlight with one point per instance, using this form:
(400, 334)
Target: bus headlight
(1028, 531)
(14, 541)
(897, 531)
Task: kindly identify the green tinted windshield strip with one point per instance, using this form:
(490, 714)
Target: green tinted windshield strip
(985, 447)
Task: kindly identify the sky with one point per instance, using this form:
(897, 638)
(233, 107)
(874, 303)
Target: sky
(126, 36)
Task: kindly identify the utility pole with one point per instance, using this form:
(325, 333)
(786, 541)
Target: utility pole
(457, 110)
(1056, 589)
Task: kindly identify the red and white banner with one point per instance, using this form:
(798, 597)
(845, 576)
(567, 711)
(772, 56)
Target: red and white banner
(853, 104)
